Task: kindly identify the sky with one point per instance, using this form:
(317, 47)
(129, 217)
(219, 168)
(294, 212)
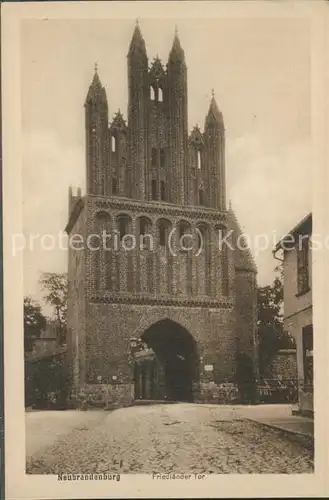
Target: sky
(260, 72)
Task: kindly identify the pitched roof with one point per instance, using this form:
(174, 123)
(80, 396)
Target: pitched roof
(243, 258)
(303, 227)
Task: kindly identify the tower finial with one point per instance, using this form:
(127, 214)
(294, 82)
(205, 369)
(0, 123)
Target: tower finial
(137, 42)
(212, 93)
(176, 52)
(96, 67)
(176, 30)
(230, 204)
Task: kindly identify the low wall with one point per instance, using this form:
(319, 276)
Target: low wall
(120, 395)
(107, 396)
(224, 393)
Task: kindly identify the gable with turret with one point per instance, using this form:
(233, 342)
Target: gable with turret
(149, 179)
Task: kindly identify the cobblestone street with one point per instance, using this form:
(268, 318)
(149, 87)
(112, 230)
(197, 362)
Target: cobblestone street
(172, 438)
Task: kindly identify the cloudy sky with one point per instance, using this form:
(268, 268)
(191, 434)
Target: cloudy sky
(260, 71)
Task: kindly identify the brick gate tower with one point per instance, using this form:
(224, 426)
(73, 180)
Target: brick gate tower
(151, 268)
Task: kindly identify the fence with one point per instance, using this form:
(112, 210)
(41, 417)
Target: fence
(278, 390)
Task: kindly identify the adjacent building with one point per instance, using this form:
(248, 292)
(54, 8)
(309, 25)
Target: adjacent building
(297, 263)
(162, 277)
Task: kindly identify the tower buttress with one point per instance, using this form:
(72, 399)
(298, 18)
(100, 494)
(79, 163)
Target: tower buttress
(138, 96)
(214, 135)
(178, 132)
(96, 124)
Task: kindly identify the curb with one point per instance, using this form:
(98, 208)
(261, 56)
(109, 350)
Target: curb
(283, 429)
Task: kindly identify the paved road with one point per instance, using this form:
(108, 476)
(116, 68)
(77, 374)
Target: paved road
(167, 438)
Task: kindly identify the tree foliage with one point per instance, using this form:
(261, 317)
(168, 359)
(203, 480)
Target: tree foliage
(271, 333)
(34, 322)
(47, 382)
(55, 289)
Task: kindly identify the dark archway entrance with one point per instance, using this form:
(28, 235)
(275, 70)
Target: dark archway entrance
(169, 366)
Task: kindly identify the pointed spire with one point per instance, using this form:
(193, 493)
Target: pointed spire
(214, 113)
(137, 42)
(96, 81)
(176, 53)
(96, 90)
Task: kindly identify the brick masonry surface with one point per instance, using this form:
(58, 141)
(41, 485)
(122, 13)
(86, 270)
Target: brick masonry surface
(150, 177)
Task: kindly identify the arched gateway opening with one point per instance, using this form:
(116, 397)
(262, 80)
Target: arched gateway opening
(167, 368)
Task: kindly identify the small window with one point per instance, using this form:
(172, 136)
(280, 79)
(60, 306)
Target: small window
(143, 226)
(162, 235)
(113, 143)
(152, 93)
(123, 227)
(114, 185)
(163, 190)
(154, 157)
(162, 158)
(201, 197)
(154, 189)
(199, 159)
(160, 95)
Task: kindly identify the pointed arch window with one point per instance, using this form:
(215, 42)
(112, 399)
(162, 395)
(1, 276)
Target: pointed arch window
(163, 190)
(122, 225)
(154, 189)
(162, 235)
(160, 94)
(143, 226)
(198, 153)
(144, 233)
(113, 143)
(224, 241)
(163, 230)
(204, 259)
(152, 93)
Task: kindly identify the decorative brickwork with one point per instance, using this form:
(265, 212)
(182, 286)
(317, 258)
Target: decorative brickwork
(158, 196)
